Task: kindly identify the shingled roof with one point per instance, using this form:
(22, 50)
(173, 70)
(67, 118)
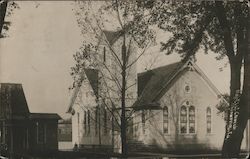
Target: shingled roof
(13, 104)
(151, 82)
(92, 75)
(112, 36)
(12, 100)
(44, 116)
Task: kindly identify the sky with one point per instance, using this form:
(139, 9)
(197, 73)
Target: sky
(38, 54)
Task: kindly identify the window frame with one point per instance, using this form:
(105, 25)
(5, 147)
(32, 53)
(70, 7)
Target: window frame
(165, 119)
(207, 115)
(105, 119)
(96, 120)
(187, 104)
(186, 119)
(44, 131)
(190, 89)
(143, 121)
(89, 124)
(85, 122)
(189, 120)
(104, 54)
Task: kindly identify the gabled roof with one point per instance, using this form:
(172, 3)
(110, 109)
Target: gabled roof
(152, 80)
(112, 36)
(13, 104)
(153, 84)
(92, 76)
(12, 100)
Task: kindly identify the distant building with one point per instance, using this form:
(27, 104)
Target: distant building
(65, 134)
(22, 132)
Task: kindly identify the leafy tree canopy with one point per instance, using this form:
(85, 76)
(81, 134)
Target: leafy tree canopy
(209, 25)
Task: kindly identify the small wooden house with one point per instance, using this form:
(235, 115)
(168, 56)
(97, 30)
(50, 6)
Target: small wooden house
(23, 132)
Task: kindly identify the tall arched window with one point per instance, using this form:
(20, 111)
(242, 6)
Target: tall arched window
(105, 121)
(183, 119)
(78, 118)
(104, 54)
(209, 121)
(191, 119)
(88, 121)
(165, 120)
(96, 121)
(143, 120)
(85, 122)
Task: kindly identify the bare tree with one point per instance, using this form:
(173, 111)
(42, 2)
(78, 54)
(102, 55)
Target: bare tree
(114, 57)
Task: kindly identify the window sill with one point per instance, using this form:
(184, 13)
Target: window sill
(191, 135)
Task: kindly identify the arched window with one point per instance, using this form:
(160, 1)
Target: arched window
(191, 119)
(143, 120)
(165, 120)
(209, 121)
(104, 54)
(85, 122)
(183, 119)
(105, 121)
(78, 118)
(88, 121)
(187, 88)
(96, 121)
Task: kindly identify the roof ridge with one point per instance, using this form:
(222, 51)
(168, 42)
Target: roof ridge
(10, 83)
(149, 80)
(156, 68)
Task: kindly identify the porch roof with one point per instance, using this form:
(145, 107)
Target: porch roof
(44, 116)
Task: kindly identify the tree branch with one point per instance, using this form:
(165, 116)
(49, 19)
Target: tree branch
(227, 35)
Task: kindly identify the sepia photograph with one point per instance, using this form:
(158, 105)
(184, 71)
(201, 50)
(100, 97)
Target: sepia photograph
(124, 79)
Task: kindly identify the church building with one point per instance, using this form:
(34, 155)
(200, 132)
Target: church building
(188, 118)
(176, 107)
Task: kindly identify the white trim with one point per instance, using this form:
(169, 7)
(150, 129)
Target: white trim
(195, 118)
(168, 133)
(190, 88)
(206, 79)
(190, 64)
(210, 119)
(180, 120)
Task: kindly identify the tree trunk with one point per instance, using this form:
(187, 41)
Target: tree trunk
(3, 8)
(238, 112)
(123, 103)
(247, 64)
(232, 132)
